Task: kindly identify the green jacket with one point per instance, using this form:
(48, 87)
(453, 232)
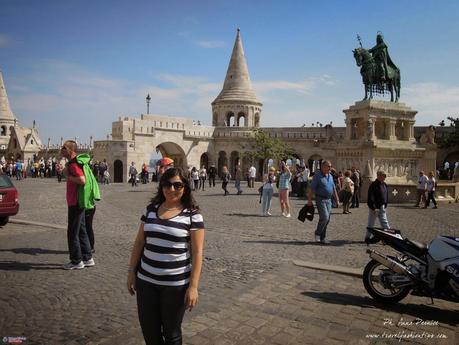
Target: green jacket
(89, 192)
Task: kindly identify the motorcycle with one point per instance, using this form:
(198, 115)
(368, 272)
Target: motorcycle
(424, 270)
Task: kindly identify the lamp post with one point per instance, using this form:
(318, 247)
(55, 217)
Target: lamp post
(148, 99)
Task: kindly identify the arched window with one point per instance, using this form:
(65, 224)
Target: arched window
(241, 120)
(230, 120)
(3, 131)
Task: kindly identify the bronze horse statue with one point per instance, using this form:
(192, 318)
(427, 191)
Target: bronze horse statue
(373, 80)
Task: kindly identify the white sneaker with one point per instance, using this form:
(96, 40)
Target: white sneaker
(283, 214)
(317, 238)
(72, 266)
(325, 241)
(269, 214)
(288, 215)
(89, 263)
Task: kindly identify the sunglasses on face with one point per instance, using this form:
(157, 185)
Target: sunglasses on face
(168, 184)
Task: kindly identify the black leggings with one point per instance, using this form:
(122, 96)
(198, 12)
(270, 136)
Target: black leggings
(161, 310)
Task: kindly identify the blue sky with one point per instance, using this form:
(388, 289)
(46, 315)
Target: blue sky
(74, 66)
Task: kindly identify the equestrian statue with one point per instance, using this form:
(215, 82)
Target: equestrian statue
(379, 74)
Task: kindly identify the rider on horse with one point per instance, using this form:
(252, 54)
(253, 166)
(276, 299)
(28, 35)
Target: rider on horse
(382, 58)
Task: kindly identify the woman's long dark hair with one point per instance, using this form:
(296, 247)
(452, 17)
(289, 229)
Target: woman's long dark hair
(187, 198)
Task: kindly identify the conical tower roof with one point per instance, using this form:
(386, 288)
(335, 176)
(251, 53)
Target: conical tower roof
(237, 86)
(5, 110)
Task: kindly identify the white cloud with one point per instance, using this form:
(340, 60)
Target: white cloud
(68, 100)
(434, 101)
(306, 86)
(211, 44)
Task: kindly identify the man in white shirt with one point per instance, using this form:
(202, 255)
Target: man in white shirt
(421, 188)
(252, 175)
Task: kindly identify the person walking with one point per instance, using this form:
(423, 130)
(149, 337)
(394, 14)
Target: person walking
(133, 174)
(347, 190)
(431, 184)
(252, 176)
(267, 192)
(106, 177)
(378, 196)
(195, 178)
(202, 177)
(421, 189)
(225, 179)
(77, 237)
(284, 181)
(18, 169)
(166, 260)
(212, 175)
(323, 187)
(237, 179)
(355, 177)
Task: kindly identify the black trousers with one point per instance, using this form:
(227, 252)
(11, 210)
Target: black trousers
(78, 242)
(89, 216)
(431, 196)
(161, 310)
(224, 184)
(355, 198)
(211, 181)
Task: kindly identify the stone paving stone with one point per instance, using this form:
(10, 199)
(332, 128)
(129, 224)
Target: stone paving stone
(244, 256)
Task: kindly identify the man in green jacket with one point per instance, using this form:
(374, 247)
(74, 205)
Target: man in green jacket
(88, 194)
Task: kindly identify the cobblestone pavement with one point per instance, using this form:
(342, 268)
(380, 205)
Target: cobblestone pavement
(250, 293)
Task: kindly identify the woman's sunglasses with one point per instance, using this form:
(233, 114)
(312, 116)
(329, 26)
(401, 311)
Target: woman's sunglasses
(168, 184)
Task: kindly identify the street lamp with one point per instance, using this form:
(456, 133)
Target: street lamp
(148, 99)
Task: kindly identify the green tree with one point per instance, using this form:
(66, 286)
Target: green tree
(451, 139)
(263, 147)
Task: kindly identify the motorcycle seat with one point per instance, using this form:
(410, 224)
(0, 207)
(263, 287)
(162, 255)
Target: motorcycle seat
(421, 246)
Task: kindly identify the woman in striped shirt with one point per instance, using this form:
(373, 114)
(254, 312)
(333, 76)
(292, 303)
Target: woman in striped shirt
(166, 260)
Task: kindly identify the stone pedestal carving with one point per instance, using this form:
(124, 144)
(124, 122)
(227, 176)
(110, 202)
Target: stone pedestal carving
(380, 136)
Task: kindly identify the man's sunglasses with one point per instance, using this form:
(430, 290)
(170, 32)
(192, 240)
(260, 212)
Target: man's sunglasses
(168, 184)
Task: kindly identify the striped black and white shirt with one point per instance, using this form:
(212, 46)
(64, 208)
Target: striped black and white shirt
(166, 258)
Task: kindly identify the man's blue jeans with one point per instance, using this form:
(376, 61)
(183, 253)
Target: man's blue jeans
(77, 237)
(324, 209)
(382, 216)
(237, 185)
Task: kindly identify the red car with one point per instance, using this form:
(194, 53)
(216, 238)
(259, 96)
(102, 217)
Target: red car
(9, 199)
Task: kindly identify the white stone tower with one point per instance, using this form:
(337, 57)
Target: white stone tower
(237, 105)
(7, 118)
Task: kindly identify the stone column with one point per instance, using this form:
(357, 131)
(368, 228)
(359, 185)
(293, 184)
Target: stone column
(387, 131)
(392, 135)
(348, 129)
(411, 131)
(371, 129)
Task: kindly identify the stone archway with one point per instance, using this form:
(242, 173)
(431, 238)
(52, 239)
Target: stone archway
(314, 162)
(173, 151)
(234, 160)
(118, 171)
(241, 120)
(222, 161)
(204, 161)
(230, 119)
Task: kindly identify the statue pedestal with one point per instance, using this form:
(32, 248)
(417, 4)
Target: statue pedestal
(380, 136)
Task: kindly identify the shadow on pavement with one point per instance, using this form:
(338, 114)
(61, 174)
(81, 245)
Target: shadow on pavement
(33, 251)
(336, 243)
(421, 311)
(27, 266)
(245, 215)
